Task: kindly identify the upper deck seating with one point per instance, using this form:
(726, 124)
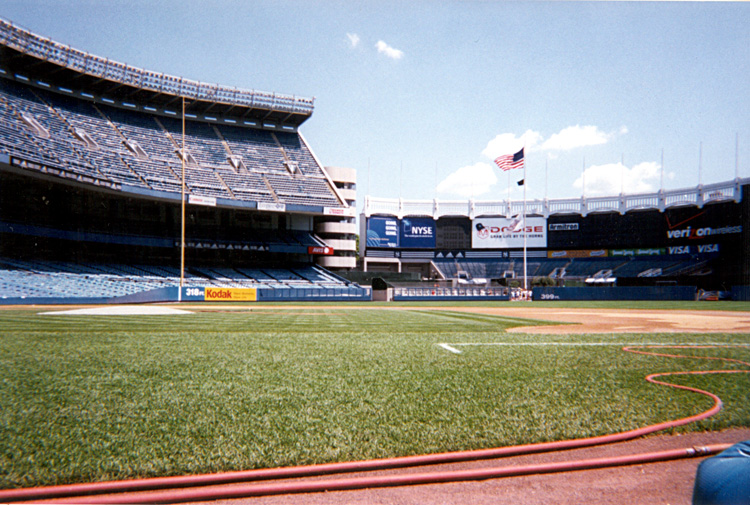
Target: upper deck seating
(135, 148)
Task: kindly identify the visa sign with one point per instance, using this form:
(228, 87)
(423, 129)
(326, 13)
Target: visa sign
(691, 249)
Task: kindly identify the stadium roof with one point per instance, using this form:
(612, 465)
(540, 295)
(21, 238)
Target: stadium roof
(43, 62)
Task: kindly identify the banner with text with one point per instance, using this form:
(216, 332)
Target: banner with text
(231, 295)
(382, 232)
(505, 233)
(418, 233)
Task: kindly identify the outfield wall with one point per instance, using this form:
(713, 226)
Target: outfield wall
(681, 293)
(434, 294)
(741, 293)
(198, 294)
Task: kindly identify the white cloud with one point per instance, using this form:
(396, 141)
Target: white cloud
(507, 143)
(353, 39)
(576, 136)
(390, 52)
(469, 181)
(565, 140)
(612, 178)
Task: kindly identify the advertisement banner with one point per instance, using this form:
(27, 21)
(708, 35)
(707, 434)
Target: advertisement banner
(231, 294)
(338, 211)
(504, 233)
(654, 251)
(584, 253)
(208, 201)
(320, 251)
(693, 249)
(418, 233)
(382, 232)
(563, 227)
(273, 207)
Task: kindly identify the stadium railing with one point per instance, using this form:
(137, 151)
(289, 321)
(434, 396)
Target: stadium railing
(699, 196)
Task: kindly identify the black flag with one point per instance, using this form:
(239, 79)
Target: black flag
(520, 183)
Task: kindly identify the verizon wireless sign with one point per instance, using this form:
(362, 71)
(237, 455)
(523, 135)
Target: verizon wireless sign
(692, 233)
(507, 233)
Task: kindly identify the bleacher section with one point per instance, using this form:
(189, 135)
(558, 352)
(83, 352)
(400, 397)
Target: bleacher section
(574, 268)
(105, 145)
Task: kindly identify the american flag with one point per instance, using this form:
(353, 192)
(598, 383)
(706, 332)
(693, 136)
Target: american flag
(510, 161)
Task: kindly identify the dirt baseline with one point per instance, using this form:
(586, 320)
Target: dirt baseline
(574, 321)
(581, 321)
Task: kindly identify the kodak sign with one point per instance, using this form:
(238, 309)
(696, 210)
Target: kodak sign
(231, 295)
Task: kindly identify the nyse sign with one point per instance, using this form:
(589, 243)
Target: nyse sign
(418, 232)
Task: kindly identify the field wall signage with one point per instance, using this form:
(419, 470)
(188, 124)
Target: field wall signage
(504, 233)
(230, 294)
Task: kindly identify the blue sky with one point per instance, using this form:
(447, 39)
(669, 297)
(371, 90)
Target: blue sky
(420, 96)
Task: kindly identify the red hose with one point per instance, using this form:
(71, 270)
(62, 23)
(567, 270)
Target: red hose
(253, 490)
(45, 493)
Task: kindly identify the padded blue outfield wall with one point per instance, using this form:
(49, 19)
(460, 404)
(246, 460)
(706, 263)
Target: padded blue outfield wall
(741, 293)
(198, 294)
(413, 294)
(430, 298)
(171, 294)
(682, 293)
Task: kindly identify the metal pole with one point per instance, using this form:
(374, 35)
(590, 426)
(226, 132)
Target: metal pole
(737, 155)
(182, 220)
(583, 179)
(525, 229)
(661, 184)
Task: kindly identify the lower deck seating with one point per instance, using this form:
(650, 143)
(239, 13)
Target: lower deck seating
(54, 279)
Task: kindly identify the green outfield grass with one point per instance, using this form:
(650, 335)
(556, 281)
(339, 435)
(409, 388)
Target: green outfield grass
(115, 397)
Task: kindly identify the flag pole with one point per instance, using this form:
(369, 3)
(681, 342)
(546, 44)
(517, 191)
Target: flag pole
(525, 229)
(510, 213)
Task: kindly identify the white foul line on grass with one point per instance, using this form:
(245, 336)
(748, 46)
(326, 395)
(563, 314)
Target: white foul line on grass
(452, 347)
